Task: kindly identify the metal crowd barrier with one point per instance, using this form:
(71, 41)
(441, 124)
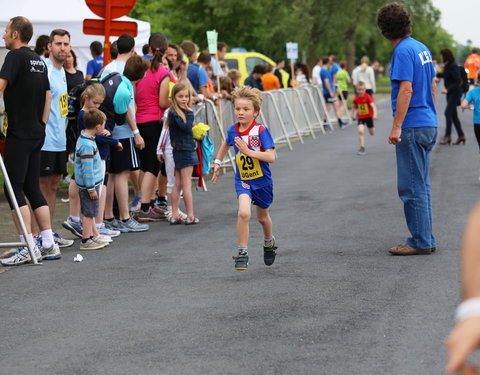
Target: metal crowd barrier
(290, 114)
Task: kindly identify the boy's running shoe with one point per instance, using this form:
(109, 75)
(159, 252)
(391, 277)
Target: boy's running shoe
(51, 253)
(102, 239)
(241, 261)
(361, 151)
(74, 227)
(151, 215)
(113, 224)
(135, 205)
(104, 231)
(21, 256)
(61, 242)
(132, 226)
(269, 253)
(92, 245)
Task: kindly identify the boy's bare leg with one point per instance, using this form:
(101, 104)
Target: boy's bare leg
(73, 199)
(88, 224)
(243, 220)
(371, 131)
(263, 217)
(361, 135)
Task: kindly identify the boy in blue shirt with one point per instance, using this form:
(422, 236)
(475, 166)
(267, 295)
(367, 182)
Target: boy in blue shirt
(89, 177)
(473, 96)
(254, 150)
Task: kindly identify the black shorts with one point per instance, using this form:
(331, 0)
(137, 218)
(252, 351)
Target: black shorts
(150, 132)
(125, 160)
(368, 122)
(53, 163)
(329, 99)
(345, 95)
(88, 206)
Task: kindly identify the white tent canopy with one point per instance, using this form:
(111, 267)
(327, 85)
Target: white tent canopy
(69, 15)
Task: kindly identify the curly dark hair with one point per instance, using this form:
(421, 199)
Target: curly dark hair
(394, 21)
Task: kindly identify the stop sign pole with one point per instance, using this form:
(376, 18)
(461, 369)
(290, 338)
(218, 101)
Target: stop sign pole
(109, 10)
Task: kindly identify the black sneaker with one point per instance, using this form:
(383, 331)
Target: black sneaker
(269, 254)
(241, 261)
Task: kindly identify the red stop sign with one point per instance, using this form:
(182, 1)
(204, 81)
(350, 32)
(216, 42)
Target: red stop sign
(118, 8)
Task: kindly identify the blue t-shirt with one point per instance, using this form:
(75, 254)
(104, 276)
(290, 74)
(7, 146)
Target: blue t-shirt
(55, 135)
(251, 173)
(474, 96)
(335, 69)
(122, 100)
(94, 66)
(197, 76)
(412, 61)
(324, 73)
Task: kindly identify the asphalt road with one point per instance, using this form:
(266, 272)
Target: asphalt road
(169, 302)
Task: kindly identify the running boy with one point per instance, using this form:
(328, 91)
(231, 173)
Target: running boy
(367, 112)
(89, 174)
(254, 149)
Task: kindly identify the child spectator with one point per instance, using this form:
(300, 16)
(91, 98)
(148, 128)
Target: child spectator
(254, 149)
(165, 156)
(180, 121)
(235, 76)
(473, 96)
(92, 97)
(226, 87)
(367, 112)
(269, 80)
(89, 173)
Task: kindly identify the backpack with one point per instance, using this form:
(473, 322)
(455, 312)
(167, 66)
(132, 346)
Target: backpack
(75, 94)
(463, 79)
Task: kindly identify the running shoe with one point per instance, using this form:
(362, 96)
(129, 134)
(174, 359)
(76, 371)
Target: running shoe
(92, 245)
(102, 239)
(132, 226)
(113, 224)
(51, 253)
(104, 231)
(160, 209)
(73, 226)
(269, 253)
(135, 205)
(61, 242)
(145, 217)
(241, 261)
(361, 151)
(21, 256)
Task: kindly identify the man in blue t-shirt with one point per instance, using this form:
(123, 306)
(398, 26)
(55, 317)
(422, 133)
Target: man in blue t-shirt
(414, 129)
(329, 93)
(94, 66)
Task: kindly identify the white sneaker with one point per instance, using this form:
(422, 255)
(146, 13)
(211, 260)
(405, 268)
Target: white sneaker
(21, 256)
(51, 253)
(102, 229)
(92, 245)
(102, 239)
(61, 242)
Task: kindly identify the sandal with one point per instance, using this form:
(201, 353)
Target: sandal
(177, 221)
(192, 221)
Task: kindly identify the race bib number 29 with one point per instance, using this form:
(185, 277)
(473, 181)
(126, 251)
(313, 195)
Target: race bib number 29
(63, 105)
(249, 168)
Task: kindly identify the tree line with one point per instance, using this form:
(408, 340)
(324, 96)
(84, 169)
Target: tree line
(346, 28)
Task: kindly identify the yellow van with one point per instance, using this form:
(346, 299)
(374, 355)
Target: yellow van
(245, 61)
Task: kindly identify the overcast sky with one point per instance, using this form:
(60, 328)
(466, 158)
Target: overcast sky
(460, 18)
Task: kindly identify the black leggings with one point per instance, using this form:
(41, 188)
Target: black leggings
(451, 115)
(22, 161)
(476, 128)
